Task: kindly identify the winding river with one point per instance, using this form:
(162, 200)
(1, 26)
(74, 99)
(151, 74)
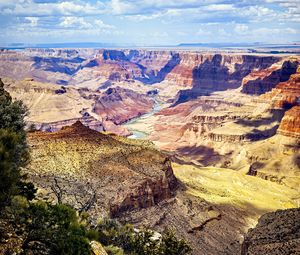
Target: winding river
(131, 125)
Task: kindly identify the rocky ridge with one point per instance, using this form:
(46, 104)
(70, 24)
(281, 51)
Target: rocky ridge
(119, 175)
(277, 233)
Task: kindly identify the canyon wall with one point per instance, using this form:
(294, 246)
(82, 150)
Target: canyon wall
(260, 82)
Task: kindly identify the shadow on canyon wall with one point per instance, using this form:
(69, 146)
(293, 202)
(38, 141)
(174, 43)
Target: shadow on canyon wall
(203, 155)
(161, 75)
(213, 75)
(273, 121)
(258, 135)
(261, 86)
(61, 65)
(276, 115)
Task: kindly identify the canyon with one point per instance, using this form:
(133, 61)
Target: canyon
(219, 136)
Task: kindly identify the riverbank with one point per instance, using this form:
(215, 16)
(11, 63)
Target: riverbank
(142, 126)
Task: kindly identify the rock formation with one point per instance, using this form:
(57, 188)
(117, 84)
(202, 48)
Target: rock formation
(120, 105)
(121, 174)
(220, 72)
(286, 94)
(277, 233)
(290, 124)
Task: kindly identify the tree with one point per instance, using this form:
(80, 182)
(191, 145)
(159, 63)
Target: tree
(56, 228)
(170, 245)
(13, 146)
(139, 242)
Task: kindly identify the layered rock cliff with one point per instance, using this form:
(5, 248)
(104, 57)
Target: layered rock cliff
(218, 72)
(286, 94)
(204, 72)
(51, 106)
(120, 105)
(290, 124)
(260, 82)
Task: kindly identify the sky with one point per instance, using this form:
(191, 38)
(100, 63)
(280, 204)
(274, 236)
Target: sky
(149, 22)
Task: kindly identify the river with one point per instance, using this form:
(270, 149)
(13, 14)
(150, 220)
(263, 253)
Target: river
(132, 127)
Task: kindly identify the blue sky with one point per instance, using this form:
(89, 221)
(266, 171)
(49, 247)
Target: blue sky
(149, 22)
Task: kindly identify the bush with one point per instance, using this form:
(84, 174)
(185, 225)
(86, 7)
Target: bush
(55, 227)
(140, 242)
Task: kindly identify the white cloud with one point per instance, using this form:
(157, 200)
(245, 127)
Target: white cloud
(81, 23)
(33, 21)
(219, 7)
(119, 7)
(74, 22)
(100, 24)
(30, 8)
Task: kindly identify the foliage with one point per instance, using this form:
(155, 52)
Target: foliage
(57, 229)
(139, 242)
(13, 147)
(9, 171)
(26, 189)
(114, 250)
(54, 227)
(172, 246)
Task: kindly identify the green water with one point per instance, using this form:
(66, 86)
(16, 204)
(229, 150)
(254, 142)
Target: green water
(138, 134)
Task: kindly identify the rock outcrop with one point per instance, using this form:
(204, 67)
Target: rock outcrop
(205, 72)
(290, 124)
(120, 174)
(51, 106)
(277, 233)
(88, 121)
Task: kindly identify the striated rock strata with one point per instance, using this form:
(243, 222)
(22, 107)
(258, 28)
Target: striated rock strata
(290, 124)
(260, 82)
(120, 105)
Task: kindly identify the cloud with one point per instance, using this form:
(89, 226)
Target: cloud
(101, 25)
(81, 23)
(30, 8)
(189, 20)
(32, 20)
(74, 22)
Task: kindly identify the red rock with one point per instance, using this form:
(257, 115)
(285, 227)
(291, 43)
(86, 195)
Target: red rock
(119, 105)
(286, 94)
(290, 124)
(260, 82)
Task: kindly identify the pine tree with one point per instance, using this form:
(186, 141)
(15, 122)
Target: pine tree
(13, 146)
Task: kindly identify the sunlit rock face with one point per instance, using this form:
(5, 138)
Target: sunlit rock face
(121, 173)
(187, 69)
(285, 94)
(219, 72)
(290, 124)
